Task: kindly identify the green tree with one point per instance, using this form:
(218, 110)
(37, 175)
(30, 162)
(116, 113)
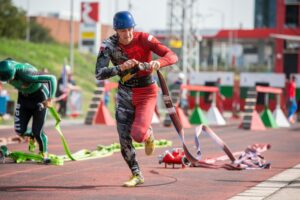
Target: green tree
(39, 33)
(12, 20)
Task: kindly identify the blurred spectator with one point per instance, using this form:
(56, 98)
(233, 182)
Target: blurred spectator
(291, 98)
(65, 86)
(3, 92)
(4, 98)
(182, 94)
(45, 70)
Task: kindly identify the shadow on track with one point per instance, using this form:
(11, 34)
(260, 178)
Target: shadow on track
(82, 187)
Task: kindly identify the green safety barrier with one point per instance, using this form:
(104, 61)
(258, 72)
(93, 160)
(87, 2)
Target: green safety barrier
(198, 117)
(268, 119)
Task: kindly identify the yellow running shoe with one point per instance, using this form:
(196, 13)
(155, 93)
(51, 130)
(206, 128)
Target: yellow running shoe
(149, 144)
(31, 144)
(134, 181)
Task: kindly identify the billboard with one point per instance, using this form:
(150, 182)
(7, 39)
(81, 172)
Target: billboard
(90, 28)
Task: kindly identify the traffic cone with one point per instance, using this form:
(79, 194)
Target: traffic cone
(198, 117)
(155, 119)
(268, 119)
(280, 118)
(183, 118)
(103, 116)
(214, 116)
(253, 122)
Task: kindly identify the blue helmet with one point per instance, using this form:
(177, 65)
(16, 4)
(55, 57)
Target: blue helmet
(123, 20)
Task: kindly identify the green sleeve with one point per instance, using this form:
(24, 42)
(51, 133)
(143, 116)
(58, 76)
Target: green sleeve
(28, 73)
(44, 78)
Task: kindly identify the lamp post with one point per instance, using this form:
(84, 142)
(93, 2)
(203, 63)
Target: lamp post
(28, 23)
(71, 37)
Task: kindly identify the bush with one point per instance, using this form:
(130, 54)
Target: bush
(13, 24)
(39, 33)
(12, 20)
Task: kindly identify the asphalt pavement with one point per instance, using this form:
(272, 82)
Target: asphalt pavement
(102, 178)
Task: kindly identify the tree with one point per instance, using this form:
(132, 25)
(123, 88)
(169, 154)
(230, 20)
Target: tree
(13, 24)
(12, 20)
(39, 33)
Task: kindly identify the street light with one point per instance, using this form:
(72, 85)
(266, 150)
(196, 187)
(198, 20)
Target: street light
(28, 23)
(71, 37)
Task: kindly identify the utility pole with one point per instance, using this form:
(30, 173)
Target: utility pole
(28, 23)
(185, 41)
(71, 37)
(181, 23)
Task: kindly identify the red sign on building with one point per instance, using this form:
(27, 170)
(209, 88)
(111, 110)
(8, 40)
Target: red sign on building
(89, 12)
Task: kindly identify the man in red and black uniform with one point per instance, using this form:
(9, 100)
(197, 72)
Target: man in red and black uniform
(136, 98)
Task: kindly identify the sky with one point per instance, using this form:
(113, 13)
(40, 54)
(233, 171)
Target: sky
(152, 14)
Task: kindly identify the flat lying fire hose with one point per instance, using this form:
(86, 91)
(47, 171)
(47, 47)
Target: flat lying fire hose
(84, 154)
(215, 137)
(250, 158)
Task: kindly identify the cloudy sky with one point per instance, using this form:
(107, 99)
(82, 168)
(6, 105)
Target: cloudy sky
(152, 14)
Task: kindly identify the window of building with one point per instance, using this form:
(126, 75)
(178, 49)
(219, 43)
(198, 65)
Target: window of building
(292, 15)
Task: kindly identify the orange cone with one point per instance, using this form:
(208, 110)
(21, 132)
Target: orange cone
(103, 116)
(253, 122)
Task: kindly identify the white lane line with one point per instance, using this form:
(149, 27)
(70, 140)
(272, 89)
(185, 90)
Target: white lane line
(270, 186)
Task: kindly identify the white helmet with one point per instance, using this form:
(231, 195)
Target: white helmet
(68, 69)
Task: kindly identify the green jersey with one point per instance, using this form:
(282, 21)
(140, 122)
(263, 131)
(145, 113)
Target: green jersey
(28, 80)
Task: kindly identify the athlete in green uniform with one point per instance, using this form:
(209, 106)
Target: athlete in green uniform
(35, 93)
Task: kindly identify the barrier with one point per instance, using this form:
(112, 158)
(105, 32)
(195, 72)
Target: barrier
(251, 118)
(252, 79)
(214, 116)
(225, 81)
(277, 119)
